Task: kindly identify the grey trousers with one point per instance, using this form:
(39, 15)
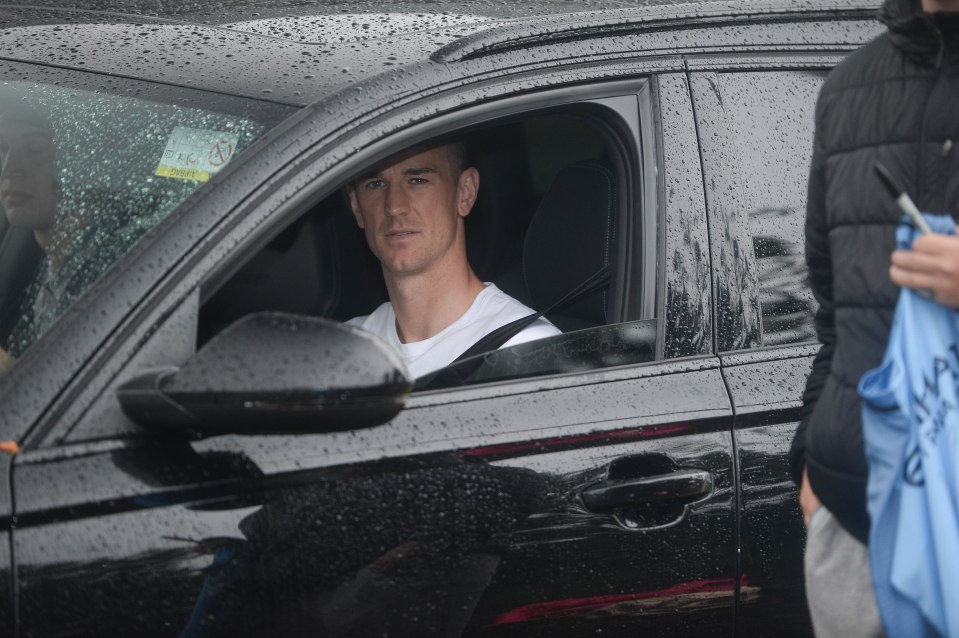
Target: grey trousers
(839, 581)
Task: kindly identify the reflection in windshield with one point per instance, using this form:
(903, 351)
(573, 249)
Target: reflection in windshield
(84, 175)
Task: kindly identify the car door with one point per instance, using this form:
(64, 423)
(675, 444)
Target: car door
(601, 499)
(7, 607)
(756, 127)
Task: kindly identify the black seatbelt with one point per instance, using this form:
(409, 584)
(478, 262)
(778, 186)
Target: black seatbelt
(501, 335)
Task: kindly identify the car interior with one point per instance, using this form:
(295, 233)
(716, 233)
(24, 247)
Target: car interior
(545, 221)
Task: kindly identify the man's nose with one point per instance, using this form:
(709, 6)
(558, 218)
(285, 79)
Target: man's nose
(396, 202)
(11, 164)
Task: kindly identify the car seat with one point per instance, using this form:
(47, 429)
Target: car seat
(571, 237)
(319, 265)
(496, 226)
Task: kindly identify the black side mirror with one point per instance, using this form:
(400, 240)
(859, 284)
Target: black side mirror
(273, 373)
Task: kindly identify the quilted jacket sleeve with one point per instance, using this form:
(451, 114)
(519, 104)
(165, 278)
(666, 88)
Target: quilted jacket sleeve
(819, 263)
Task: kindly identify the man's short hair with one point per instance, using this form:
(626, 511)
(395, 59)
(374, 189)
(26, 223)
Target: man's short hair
(456, 154)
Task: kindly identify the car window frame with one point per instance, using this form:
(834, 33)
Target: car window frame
(316, 180)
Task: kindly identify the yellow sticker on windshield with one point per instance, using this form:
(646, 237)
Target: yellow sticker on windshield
(197, 154)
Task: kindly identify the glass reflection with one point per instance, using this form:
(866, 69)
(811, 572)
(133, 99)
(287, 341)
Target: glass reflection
(82, 176)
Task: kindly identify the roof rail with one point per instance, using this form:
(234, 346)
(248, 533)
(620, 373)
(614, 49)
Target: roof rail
(524, 32)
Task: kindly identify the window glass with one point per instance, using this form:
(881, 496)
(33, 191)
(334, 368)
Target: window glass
(84, 174)
(578, 351)
(772, 125)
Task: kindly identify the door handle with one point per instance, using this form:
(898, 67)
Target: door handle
(682, 485)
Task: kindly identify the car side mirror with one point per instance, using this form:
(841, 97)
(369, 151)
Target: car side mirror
(273, 373)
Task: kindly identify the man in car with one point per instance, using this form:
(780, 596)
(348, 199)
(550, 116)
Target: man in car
(412, 209)
(893, 101)
(28, 191)
(78, 235)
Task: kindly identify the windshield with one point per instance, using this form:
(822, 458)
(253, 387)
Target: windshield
(85, 172)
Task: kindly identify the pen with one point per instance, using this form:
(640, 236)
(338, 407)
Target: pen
(903, 200)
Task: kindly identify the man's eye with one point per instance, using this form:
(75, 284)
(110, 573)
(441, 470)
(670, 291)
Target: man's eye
(373, 184)
(418, 180)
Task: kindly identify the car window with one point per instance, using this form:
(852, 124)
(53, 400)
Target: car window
(85, 172)
(769, 120)
(550, 184)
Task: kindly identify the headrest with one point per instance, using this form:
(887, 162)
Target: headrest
(570, 237)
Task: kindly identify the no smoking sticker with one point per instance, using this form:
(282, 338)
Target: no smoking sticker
(194, 153)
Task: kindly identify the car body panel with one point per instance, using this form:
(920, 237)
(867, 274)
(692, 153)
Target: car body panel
(301, 72)
(177, 53)
(177, 504)
(772, 534)
(687, 294)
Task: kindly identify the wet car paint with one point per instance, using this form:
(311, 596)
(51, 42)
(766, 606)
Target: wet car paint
(163, 517)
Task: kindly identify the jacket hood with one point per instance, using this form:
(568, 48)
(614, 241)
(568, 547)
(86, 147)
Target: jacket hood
(927, 38)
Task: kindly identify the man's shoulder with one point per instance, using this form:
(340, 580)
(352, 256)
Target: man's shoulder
(502, 308)
(375, 321)
(539, 329)
(495, 299)
(867, 65)
(508, 309)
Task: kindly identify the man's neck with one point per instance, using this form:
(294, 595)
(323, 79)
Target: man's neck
(931, 6)
(427, 303)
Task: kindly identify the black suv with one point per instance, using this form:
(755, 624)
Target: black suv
(195, 444)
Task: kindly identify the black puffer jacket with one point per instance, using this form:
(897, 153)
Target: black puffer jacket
(895, 100)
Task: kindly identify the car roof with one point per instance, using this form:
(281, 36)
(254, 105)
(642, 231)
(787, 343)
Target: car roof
(299, 51)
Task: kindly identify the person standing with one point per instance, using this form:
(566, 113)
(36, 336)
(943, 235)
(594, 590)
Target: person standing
(895, 101)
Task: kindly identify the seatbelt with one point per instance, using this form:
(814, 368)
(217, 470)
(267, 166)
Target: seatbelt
(501, 335)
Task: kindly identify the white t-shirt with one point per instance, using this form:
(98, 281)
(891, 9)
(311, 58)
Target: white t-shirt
(491, 309)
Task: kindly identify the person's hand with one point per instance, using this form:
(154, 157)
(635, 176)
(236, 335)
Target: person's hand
(931, 265)
(6, 361)
(808, 501)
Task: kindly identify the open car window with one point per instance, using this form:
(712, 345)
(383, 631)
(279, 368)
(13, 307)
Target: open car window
(85, 173)
(551, 213)
(558, 206)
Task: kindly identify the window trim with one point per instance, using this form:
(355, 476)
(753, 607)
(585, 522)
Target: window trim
(264, 215)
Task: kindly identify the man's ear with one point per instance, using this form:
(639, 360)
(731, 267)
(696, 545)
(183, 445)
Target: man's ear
(467, 189)
(354, 204)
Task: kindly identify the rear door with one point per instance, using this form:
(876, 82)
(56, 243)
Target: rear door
(756, 127)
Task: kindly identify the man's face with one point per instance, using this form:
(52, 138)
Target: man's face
(27, 173)
(412, 209)
(933, 6)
